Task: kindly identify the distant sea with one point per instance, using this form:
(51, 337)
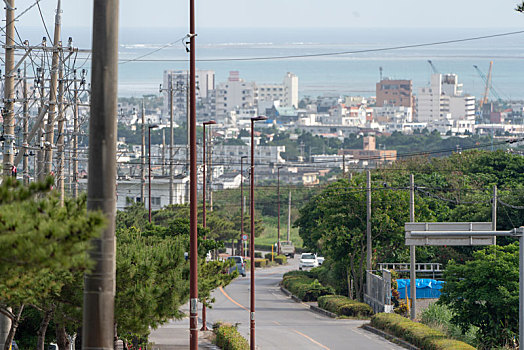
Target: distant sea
(350, 74)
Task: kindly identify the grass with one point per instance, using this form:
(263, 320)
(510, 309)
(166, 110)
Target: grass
(271, 232)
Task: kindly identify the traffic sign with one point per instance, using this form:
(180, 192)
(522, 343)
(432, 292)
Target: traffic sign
(244, 237)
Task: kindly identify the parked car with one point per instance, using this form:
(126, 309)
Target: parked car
(320, 260)
(307, 261)
(287, 249)
(239, 266)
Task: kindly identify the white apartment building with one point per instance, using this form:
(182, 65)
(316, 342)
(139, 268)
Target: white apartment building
(444, 99)
(205, 81)
(234, 94)
(286, 93)
(393, 114)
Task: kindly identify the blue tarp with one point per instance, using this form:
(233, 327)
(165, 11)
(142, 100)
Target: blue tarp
(426, 288)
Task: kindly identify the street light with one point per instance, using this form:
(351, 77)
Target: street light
(211, 122)
(252, 237)
(242, 204)
(278, 221)
(152, 126)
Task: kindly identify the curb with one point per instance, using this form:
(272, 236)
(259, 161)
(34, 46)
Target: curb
(311, 307)
(389, 337)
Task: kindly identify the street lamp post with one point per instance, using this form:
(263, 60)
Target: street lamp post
(278, 220)
(211, 122)
(242, 204)
(149, 161)
(252, 236)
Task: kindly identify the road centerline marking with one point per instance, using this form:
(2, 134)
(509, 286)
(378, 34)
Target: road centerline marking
(311, 340)
(232, 300)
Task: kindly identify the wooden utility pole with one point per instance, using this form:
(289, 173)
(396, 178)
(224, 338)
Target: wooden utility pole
(75, 136)
(412, 251)
(9, 88)
(100, 285)
(368, 223)
(55, 66)
(143, 159)
(25, 127)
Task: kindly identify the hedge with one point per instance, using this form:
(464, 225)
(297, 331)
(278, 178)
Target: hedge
(416, 333)
(281, 259)
(228, 337)
(307, 289)
(343, 306)
(261, 262)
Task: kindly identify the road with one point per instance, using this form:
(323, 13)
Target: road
(282, 323)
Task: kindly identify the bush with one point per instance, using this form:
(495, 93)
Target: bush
(281, 259)
(258, 254)
(416, 333)
(260, 262)
(439, 317)
(228, 337)
(307, 289)
(343, 306)
(268, 256)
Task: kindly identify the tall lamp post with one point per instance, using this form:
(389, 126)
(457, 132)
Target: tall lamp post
(252, 236)
(278, 221)
(242, 204)
(149, 161)
(211, 122)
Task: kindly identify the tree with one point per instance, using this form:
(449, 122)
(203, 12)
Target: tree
(42, 242)
(520, 7)
(484, 292)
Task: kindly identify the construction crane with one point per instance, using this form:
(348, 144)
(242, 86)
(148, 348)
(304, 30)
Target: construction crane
(488, 86)
(435, 70)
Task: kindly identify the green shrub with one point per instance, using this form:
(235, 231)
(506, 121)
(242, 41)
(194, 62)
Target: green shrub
(344, 306)
(269, 255)
(281, 259)
(439, 317)
(416, 333)
(258, 254)
(228, 337)
(260, 262)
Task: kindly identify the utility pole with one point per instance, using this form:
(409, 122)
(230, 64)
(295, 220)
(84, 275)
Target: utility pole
(100, 284)
(210, 162)
(163, 152)
(40, 153)
(193, 204)
(368, 223)
(143, 165)
(75, 136)
(25, 126)
(412, 251)
(170, 93)
(9, 88)
(494, 209)
(61, 129)
(49, 133)
(289, 218)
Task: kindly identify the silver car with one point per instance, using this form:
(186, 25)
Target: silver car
(239, 266)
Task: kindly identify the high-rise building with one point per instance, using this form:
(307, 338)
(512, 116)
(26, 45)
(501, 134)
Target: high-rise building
(444, 99)
(233, 94)
(398, 93)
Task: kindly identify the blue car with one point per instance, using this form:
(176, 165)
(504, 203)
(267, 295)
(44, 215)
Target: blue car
(239, 266)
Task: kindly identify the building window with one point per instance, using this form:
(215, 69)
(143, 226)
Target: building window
(155, 201)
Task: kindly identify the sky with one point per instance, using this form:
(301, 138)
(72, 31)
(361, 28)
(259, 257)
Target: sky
(291, 13)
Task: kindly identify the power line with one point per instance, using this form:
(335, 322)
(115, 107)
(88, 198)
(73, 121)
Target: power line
(326, 54)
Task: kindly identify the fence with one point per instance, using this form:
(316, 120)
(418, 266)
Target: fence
(427, 269)
(378, 291)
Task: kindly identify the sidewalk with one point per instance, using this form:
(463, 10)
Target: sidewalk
(174, 335)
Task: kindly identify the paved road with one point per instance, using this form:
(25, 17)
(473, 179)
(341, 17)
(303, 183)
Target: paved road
(282, 323)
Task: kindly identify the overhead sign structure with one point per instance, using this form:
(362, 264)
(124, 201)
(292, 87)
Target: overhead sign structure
(449, 233)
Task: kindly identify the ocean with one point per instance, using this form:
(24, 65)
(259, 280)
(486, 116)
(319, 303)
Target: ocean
(348, 74)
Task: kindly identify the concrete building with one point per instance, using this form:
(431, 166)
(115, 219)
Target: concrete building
(397, 93)
(369, 154)
(285, 93)
(444, 99)
(234, 94)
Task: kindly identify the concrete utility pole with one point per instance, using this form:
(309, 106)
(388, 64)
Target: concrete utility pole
(40, 153)
(193, 204)
(9, 88)
(412, 251)
(143, 160)
(171, 140)
(25, 127)
(60, 139)
(368, 223)
(75, 136)
(289, 218)
(494, 209)
(55, 66)
(163, 152)
(100, 285)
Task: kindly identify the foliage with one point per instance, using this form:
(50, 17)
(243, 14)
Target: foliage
(416, 333)
(261, 262)
(439, 317)
(211, 275)
(304, 287)
(343, 306)
(484, 292)
(280, 259)
(228, 337)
